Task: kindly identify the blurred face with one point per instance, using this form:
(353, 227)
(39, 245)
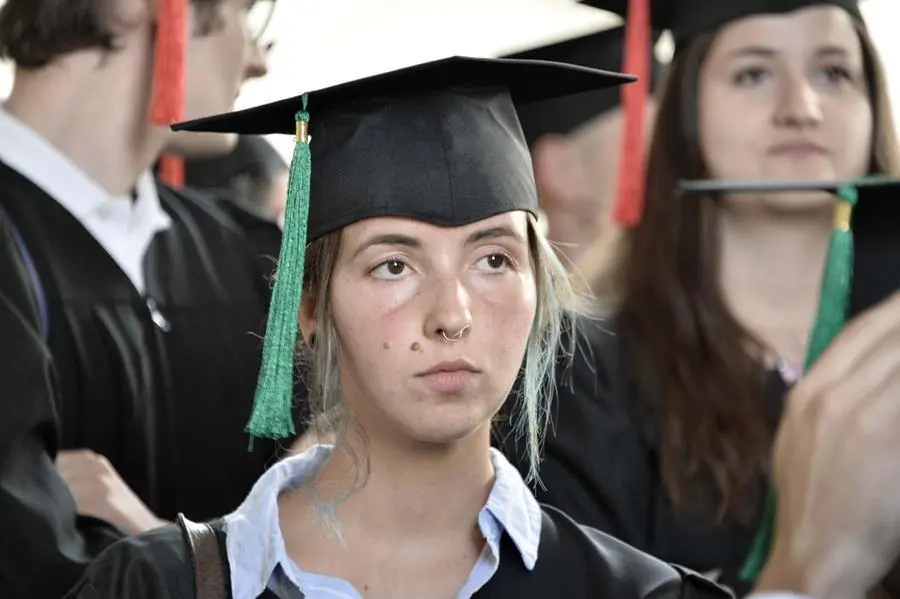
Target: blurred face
(399, 286)
(218, 63)
(577, 175)
(785, 97)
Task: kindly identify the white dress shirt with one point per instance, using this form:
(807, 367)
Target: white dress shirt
(123, 226)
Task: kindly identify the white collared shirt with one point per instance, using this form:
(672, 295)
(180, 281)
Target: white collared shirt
(122, 226)
(258, 559)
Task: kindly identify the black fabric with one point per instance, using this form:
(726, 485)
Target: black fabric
(253, 157)
(876, 241)
(160, 386)
(602, 50)
(687, 19)
(247, 176)
(39, 531)
(601, 462)
(439, 141)
(573, 562)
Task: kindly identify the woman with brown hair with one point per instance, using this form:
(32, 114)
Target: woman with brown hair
(665, 441)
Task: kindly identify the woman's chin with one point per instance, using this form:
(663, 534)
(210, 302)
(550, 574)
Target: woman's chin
(446, 429)
(814, 168)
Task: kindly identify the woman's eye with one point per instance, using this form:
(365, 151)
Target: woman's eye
(751, 76)
(495, 263)
(836, 74)
(389, 269)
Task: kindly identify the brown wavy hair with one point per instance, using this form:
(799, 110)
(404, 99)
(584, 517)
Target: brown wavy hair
(707, 367)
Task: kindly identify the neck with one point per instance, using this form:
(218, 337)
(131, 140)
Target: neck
(771, 271)
(410, 492)
(94, 108)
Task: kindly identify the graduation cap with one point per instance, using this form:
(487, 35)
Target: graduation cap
(439, 142)
(252, 156)
(685, 19)
(601, 50)
(862, 269)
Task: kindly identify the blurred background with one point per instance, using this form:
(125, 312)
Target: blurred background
(320, 44)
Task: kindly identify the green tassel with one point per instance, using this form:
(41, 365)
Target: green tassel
(762, 543)
(271, 417)
(836, 280)
(830, 316)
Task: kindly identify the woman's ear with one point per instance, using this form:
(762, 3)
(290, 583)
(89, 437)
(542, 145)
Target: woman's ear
(307, 316)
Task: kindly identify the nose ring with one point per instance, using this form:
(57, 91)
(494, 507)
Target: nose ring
(456, 337)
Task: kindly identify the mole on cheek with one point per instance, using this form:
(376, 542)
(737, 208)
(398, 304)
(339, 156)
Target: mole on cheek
(415, 346)
(386, 345)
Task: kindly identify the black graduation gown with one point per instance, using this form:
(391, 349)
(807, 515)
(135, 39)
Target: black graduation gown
(573, 562)
(37, 530)
(601, 466)
(161, 386)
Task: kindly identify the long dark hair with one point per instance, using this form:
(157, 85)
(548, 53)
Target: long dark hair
(706, 366)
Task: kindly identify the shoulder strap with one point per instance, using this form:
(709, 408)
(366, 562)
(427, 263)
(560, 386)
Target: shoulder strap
(206, 559)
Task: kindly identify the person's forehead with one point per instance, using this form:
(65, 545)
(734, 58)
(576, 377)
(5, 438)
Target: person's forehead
(808, 29)
(361, 231)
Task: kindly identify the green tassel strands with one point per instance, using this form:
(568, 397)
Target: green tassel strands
(271, 417)
(830, 317)
(836, 280)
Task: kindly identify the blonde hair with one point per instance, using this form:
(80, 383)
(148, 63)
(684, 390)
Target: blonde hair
(557, 304)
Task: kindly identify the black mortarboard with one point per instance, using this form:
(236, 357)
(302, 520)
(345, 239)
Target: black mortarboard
(439, 141)
(253, 156)
(690, 18)
(861, 270)
(603, 50)
(687, 19)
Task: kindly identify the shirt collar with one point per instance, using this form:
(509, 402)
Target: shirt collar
(256, 546)
(24, 150)
(514, 507)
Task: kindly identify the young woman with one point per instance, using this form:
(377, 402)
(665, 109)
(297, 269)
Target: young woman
(428, 288)
(665, 441)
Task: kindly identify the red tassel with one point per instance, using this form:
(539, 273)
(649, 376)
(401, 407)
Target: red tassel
(167, 103)
(171, 170)
(629, 206)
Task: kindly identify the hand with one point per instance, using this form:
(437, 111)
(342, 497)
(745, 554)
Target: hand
(836, 469)
(100, 492)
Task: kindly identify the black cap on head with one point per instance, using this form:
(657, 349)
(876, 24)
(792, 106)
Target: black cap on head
(253, 156)
(603, 50)
(440, 141)
(687, 19)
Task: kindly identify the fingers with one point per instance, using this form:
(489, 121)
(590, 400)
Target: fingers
(91, 480)
(881, 415)
(89, 493)
(80, 463)
(861, 341)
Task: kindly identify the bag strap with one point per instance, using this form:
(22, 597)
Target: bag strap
(206, 559)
